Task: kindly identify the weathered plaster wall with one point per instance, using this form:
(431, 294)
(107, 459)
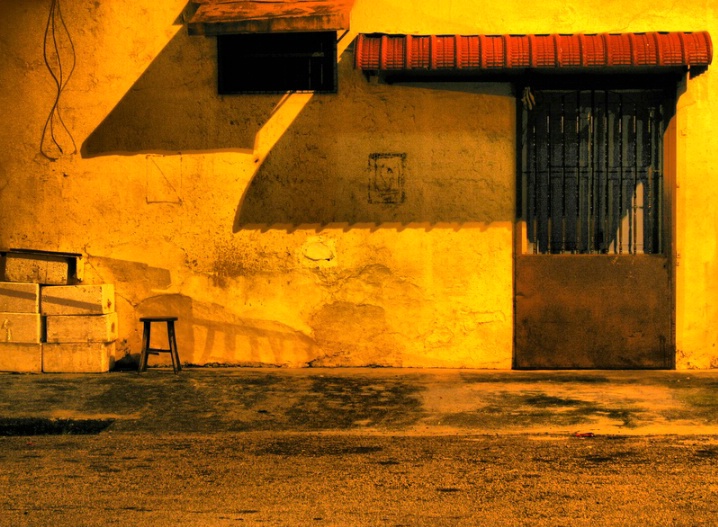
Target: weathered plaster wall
(697, 222)
(249, 217)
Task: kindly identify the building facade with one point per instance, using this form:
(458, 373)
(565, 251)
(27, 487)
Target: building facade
(409, 219)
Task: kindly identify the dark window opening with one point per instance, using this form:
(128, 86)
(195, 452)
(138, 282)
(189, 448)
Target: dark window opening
(277, 62)
(591, 179)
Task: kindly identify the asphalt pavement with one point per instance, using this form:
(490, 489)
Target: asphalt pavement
(363, 401)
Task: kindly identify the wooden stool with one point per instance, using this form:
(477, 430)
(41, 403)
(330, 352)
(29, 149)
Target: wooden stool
(146, 350)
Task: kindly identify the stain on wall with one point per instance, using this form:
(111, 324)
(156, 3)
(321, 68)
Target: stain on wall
(387, 178)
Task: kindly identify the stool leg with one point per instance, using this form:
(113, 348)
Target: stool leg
(173, 347)
(145, 346)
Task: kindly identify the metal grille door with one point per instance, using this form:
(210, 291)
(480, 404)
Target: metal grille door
(592, 172)
(593, 282)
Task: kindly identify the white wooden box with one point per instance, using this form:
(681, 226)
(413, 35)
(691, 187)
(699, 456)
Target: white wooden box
(21, 328)
(21, 358)
(24, 268)
(76, 357)
(19, 297)
(82, 328)
(77, 299)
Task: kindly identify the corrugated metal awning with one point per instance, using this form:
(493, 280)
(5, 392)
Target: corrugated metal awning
(222, 17)
(443, 53)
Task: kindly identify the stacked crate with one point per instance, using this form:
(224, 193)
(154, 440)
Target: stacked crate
(39, 267)
(21, 327)
(81, 328)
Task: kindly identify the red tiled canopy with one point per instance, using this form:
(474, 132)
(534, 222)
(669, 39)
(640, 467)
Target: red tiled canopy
(411, 53)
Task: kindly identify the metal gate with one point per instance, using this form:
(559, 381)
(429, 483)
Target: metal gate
(593, 286)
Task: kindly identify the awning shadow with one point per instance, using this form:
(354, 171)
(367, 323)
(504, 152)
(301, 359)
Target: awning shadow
(174, 107)
(374, 154)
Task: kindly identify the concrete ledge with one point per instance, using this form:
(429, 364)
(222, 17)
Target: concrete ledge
(371, 401)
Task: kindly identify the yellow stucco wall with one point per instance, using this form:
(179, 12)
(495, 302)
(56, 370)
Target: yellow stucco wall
(248, 216)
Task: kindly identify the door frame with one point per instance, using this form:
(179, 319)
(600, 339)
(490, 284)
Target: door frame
(675, 84)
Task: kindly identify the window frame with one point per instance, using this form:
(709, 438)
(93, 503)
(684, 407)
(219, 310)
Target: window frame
(257, 63)
(664, 87)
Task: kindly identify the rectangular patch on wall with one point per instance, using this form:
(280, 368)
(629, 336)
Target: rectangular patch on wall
(386, 178)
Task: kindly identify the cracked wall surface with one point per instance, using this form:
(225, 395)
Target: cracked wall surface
(369, 227)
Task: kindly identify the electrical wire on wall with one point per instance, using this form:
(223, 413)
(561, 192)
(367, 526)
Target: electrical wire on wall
(55, 131)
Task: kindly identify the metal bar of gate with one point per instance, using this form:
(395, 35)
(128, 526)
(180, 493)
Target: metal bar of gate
(592, 172)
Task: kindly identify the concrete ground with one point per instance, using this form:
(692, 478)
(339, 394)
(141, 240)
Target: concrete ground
(367, 401)
(359, 447)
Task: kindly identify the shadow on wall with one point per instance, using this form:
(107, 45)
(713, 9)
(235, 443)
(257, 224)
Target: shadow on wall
(174, 107)
(208, 333)
(389, 154)
(372, 153)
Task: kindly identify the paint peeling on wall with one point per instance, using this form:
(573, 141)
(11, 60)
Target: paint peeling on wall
(318, 251)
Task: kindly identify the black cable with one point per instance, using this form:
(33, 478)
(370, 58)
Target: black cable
(60, 80)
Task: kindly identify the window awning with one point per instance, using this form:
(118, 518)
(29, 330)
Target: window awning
(460, 53)
(221, 17)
